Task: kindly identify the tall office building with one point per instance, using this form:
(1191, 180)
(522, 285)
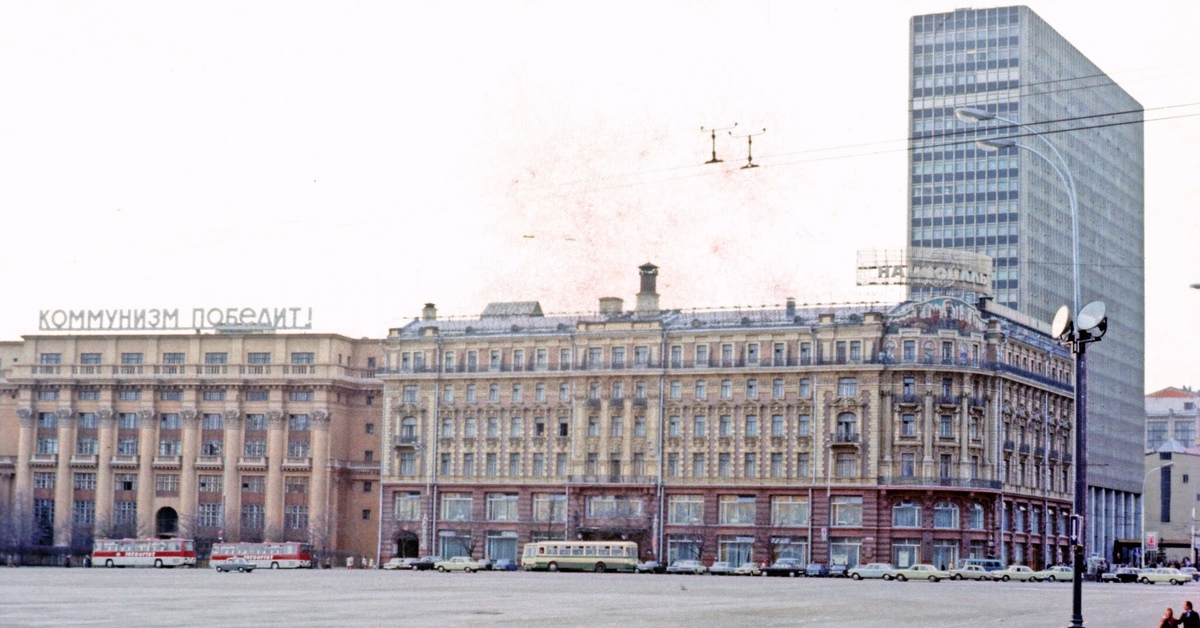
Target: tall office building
(1012, 205)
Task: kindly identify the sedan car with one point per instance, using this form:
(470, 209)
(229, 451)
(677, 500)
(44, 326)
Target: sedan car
(784, 567)
(1190, 572)
(505, 564)
(690, 567)
(238, 564)
(425, 563)
(399, 563)
(1123, 574)
(748, 569)
(872, 571)
(921, 572)
(837, 570)
(1163, 574)
(458, 563)
(651, 566)
(1015, 572)
(1057, 573)
(816, 570)
(971, 572)
(721, 568)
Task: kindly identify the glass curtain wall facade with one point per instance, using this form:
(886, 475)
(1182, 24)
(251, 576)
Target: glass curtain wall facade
(1011, 205)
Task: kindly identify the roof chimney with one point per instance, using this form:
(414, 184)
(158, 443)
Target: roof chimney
(429, 313)
(791, 308)
(647, 299)
(611, 306)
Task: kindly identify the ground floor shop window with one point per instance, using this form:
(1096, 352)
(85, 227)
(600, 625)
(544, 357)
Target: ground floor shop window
(905, 552)
(683, 548)
(789, 548)
(735, 550)
(501, 545)
(845, 551)
(945, 554)
(453, 543)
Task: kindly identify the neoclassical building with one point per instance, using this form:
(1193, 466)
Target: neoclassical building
(923, 432)
(240, 436)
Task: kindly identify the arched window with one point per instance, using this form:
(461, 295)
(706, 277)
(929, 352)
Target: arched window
(408, 427)
(975, 521)
(847, 427)
(906, 515)
(945, 515)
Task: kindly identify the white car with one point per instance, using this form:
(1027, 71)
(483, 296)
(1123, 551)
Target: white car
(971, 572)
(1163, 574)
(1057, 573)
(1015, 572)
(872, 570)
(399, 563)
(458, 563)
(920, 572)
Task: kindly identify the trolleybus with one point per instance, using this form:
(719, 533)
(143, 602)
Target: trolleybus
(144, 553)
(580, 556)
(285, 555)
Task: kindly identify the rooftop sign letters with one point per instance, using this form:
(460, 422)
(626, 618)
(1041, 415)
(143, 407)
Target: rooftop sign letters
(166, 319)
(941, 268)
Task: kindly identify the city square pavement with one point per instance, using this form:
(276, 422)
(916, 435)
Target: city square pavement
(31, 596)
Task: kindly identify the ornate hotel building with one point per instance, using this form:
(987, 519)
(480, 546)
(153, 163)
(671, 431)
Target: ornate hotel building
(240, 436)
(923, 432)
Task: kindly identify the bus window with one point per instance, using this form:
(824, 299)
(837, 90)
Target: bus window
(577, 551)
(602, 551)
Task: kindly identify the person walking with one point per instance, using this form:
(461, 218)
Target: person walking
(1189, 618)
(1168, 619)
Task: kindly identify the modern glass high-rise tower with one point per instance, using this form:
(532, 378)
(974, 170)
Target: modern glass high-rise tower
(1011, 205)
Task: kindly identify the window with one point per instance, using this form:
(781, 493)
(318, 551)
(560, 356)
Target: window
(258, 358)
(514, 465)
(409, 394)
(216, 358)
(802, 465)
(170, 447)
(908, 425)
(564, 426)
(673, 465)
(699, 467)
(750, 465)
(549, 507)
(47, 445)
(847, 387)
(805, 388)
(777, 389)
(845, 465)
(298, 449)
(752, 353)
(407, 507)
(444, 464)
(727, 355)
(752, 388)
(295, 485)
(490, 465)
(501, 507)
(699, 427)
(724, 465)
(300, 395)
(89, 395)
(125, 482)
(725, 425)
(127, 446)
(518, 359)
(43, 479)
(564, 392)
(539, 392)
(213, 421)
(408, 463)
(676, 390)
(295, 517)
(85, 481)
(125, 513)
(129, 395)
(470, 393)
(804, 425)
(493, 392)
(908, 465)
(255, 448)
(254, 483)
(88, 358)
(47, 395)
(946, 466)
(256, 395)
(83, 513)
(789, 511)
(516, 393)
(50, 358)
(751, 425)
(618, 357)
(564, 359)
(606, 506)
(87, 446)
(468, 464)
(639, 426)
(701, 355)
(592, 463)
(166, 483)
(776, 465)
(469, 427)
(593, 426)
(303, 358)
(515, 429)
(366, 514)
(539, 465)
(847, 511)
(252, 516)
(47, 421)
(701, 390)
(975, 517)
(618, 391)
(685, 509)
(616, 427)
(945, 426)
(169, 421)
(212, 484)
(727, 389)
(906, 515)
(256, 422)
(945, 516)
(560, 465)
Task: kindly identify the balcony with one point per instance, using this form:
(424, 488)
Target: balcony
(1054, 455)
(949, 400)
(593, 404)
(1024, 448)
(297, 464)
(125, 461)
(639, 402)
(407, 441)
(938, 481)
(978, 402)
(210, 462)
(845, 438)
(43, 460)
(250, 463)
(602, 478)
(908, 399)
(1040, 452)
(8, 463)
(168, 462)
(84, 460)
(1009, 445)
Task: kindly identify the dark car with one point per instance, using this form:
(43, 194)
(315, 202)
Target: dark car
(837, 570)
(785, 567)
(425, 563)
(816, 570)
(236, 563)
(505, 564)
(651, 566)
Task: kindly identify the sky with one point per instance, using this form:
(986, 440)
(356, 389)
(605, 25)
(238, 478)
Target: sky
(365, 158)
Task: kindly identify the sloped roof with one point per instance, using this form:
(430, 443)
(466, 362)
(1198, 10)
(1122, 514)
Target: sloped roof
(1172, 392)
(512, 308)
(1171, 446)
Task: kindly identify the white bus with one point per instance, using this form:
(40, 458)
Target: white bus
(144, 553)
(580, 556)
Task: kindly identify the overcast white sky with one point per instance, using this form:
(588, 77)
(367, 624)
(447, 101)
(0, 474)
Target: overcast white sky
(365, 158)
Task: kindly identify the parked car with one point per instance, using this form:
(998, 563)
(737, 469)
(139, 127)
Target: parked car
(816, 570)
(748, 569)
(837, 570)
(720, 568)
(400, 563)
(784, 567)
(425, 563)
(872, 571)
(1191, 572)
(971, 572)
(1163, 574)
(1122, 574)
(1057, 573)
(690, 567)
(1020, 573)
(651, 566)
(237, 563)
(505, 564)
(485, 564)
(921, 572)
(458, 563)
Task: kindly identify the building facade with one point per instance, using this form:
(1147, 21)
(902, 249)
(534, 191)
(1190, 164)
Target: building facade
(1171, 413)
(927, 432)
(1170, 498)
(235, 436)
(1011, 205)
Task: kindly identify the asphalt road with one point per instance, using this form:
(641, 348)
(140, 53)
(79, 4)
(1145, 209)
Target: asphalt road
(31, 596)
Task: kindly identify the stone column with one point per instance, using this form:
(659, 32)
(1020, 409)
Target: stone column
(188, 496)
(104, 474)
(25, 444)
(929, 424)
(147, 448)
(64, 482)
(231, 449)
(318, 495)
(273, 517)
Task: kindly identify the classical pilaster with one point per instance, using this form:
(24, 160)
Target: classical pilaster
(104, 475)
(273, 517)
(187, 471)
(63, 485)
(929, 425)
(25, 443)
(319, 488)
(147, 448)
(231, 451)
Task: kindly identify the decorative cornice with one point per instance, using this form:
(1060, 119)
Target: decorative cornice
(320, 419)
(106, 416)
(26, 415)
(233, 418)
(275, 419)
(189, 417)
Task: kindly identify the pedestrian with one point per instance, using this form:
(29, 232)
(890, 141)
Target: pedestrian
(1189, 618)
(1168, 619)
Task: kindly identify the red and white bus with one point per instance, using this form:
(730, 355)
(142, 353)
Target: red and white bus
(144, 553)
(265, 555)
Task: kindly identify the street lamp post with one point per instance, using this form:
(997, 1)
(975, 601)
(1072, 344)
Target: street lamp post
(1142, 556)
(1076, 341)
